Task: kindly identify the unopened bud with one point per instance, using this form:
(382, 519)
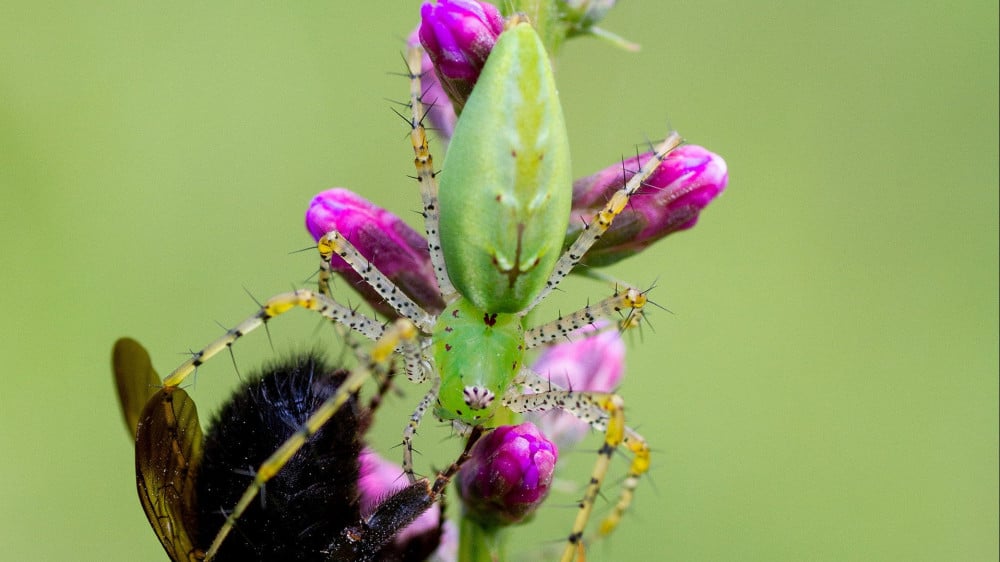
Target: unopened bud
(669, 201)
(397, 250)
(436, 102)
(508, 476)
(458, 35)
(585, 13)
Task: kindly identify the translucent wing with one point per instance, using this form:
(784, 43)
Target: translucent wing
(135, 378)
(168, 449)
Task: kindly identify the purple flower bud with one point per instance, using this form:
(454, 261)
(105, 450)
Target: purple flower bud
(390, 244)
(459, 35)
(509, 474)
(594, 362)
(685, 183)
(381, 478)
(436, 101)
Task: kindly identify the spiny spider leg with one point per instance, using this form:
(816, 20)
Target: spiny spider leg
(602, 411)
(630, 300)
(364, 541)
(417, 369)
(274, 306)
(639, 466)
(334, 243)
(588, 407)
(384, 385)
(593, 230)
(412, 425)
(379, 361)
(426, 175)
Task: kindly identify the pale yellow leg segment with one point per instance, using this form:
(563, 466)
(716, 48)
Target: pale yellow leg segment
(604, 412)
(379, 360)
(275, 306)
(426, 175)
(640, 465)
(411, 427)
(418, 370)
(630, 301)
(534, 381)
(586, 406)
(613, 437)
(334, 243)
(602, 221)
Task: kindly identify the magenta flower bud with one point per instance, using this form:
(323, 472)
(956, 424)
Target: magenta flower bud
(384, 239)
(458, 35)
(595, 362)
(685, 183)
(437, 104)
(508, 476)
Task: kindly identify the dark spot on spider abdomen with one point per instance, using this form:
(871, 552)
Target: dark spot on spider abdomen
(490, 319)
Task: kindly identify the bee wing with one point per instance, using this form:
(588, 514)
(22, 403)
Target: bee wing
(135, 378)
(168, 448)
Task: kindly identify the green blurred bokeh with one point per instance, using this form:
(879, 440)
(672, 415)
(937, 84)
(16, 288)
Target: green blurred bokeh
(824, 388)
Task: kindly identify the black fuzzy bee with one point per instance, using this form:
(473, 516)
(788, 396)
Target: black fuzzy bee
(310, 510)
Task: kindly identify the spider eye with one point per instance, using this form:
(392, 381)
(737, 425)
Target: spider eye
(478, 397)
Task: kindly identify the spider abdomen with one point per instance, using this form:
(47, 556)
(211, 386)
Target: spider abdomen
(505, 198)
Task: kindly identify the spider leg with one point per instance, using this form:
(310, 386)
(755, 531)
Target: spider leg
(363, 542)
(604, 412)
(593, 230)
(426, 175)
(630, 301)
(379, 361)
(335, 243)
(274, 306)
(413, 424)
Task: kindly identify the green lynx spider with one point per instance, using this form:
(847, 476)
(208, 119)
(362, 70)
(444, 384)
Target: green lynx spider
(472, 352)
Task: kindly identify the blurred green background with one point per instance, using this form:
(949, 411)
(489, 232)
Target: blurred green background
(824, 388)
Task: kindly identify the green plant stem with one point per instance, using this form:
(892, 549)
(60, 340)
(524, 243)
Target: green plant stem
(545, 16)
(477, 543)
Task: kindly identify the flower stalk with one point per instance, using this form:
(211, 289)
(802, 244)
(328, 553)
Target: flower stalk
(481, 543)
